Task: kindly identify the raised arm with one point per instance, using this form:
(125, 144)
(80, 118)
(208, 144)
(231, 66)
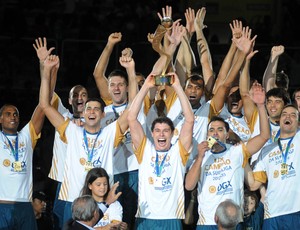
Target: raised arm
(251, 183)
(137, 132)
(52, 114)
(186, 133)
(100, 68)
(244, 85)
(258, 96)
(203, 50)
(269, 77)
(193, 175)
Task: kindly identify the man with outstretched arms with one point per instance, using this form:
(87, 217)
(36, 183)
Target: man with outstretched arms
(162, 165)
(278, 165)
(88, 146)
(218, 168)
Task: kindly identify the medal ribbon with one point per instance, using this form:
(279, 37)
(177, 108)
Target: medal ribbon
(115, 112)
(158, 168)
(284, 155)
(90, 153)
(15, 151)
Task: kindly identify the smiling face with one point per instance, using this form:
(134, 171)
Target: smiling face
(99, 188)
(249, 205)
(234, 101)
(288, 122)
(9, 119)
(92, 115)
(194, 91)
(217, 130)
(274, 108)
(117, 88)
(77, 97)
(162, 135)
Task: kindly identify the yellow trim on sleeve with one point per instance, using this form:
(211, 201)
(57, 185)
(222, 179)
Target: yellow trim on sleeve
(260, 176)
(212, 110)
(246, 155)
(107, 101)
(33, 135)
(251, 124)
(139, 152)
(170, 100)
(55, 101)
(184, 154)
(147, 104)
(119, 135)
(62, 130)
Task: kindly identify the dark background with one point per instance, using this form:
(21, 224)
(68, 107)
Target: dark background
(79, 30)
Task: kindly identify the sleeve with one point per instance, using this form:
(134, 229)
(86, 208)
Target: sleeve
(259, 213)
(115, 212)
(259, 171)
(184, 154)
(34, 137)
(62, 131)
(139, 152)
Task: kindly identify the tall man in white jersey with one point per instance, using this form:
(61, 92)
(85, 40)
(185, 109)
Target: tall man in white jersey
(162, 165)
(88, 146)
(278, 165)
(219, 172)
(16, 167)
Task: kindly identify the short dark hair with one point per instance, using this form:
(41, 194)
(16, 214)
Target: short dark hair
(294, 93)
(5, 106)
(102, 103)
(216, 118)
(194, 79)
(282, 80)
(248, 193)
(161, 120)
(118, 73)
(280, 93)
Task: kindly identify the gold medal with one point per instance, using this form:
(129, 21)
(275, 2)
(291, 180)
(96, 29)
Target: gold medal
(284, 169)
(82, 161)
(6, 162)
(88, 166)
(17, 166)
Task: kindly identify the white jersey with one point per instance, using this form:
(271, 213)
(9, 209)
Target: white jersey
(77, 164)
(161, 193)
(237, 124)
(59, 147)
(124, 158)
(113, 213)
(222, 177)
(275, 133)
(16, 178)
(283, 192)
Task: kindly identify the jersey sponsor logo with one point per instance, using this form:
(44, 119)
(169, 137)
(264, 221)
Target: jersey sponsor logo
(163, 184)
(224, 188)
(291, 172)
(21, 166)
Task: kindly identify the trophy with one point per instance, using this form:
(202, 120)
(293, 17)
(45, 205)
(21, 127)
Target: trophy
(166, 23)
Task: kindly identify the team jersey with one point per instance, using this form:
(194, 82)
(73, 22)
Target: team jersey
(124, 158)
(80, 158)
(161, 174)
(16, 169)
(222, 177)
(59, 147)
(113, 213)
(238, 124)
(283, 185)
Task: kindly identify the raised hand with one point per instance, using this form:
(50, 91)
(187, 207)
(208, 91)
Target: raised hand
(199, 19)
(114, 38)
(166, 13)
(40, 47)
(276, 51)
(150, 37)
(244, 43)
(257, 94)
(127, 52)
(202, 148)
(112, 196)
(51, 61)
(190, 19)
(126, 62)
(177, 33)
(236, 29)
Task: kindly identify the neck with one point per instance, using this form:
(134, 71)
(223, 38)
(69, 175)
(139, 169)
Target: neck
(88, 223)
(274, 120)
(284, 135)
(119, 104)
(9, 132)
(92, 129)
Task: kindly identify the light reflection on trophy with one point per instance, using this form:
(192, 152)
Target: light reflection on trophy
(166, 23)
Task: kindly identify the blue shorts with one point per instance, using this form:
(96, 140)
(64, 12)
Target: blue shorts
(169, 224)
(288, 221)
(17, 216)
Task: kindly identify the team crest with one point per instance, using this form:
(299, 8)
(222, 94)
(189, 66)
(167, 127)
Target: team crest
(6, 162)
(82, 161)
(212, 189)
(276, 174)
